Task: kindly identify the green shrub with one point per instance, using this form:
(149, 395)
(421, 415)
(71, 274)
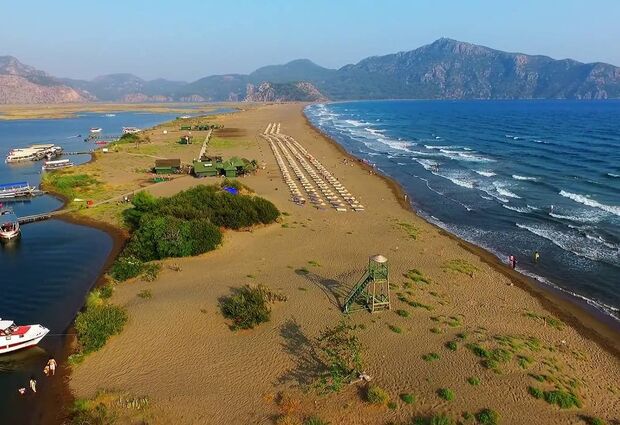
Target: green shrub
(97, 323)
(106, 291)
(315, 420)
(402, 313)
(561, 398)
(407, 398)
(452, 345)
(430, 357)
(440, 420)
(339, 352)
(487, 417)
(126, 267)
(478, 350)
(535, 392)
(246, 307)
(446, 394)
(395, 329)
(376, 395)
(596, 421)
(392, 405)
(473, 380)
(151, 271)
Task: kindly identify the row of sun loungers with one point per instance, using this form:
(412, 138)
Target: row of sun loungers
(290, 182)
(331, 189)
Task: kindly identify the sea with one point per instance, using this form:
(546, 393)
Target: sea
(46, 274)
(513, 177)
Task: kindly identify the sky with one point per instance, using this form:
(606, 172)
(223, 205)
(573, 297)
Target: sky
(190, 39)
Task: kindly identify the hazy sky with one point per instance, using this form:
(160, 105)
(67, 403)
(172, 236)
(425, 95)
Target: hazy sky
(192, 38)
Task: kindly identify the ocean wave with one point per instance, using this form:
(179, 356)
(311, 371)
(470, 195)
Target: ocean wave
(518, 177)
(591, 202)
(581, 217)
(575, 243)
(485, 173)
(502, 190)
(517, 209)
(488, 198)
(613, 175)
(533, 208)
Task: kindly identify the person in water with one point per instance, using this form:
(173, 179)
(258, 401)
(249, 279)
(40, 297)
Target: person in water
(33, 384)
(51, 363)
(536, 256)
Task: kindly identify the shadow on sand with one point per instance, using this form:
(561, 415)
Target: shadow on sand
(308, 365)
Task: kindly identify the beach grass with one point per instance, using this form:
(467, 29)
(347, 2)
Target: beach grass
(376, 395)
(446, 394)
(247, 307)
(460, 266)
(407, 398)
(97, 323)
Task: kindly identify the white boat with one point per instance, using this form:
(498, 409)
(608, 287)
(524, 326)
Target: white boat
(9, 225)
(110, 115)
(55, 165)
(33, 153)
(130, 130)
(16, 190)
(14, 337)
(96, 130)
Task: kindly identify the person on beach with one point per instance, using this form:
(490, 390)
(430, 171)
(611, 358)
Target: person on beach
(46, 370)
(33, 384)
(52, 365)
(536, 256)
(21, 391)
(512, 261)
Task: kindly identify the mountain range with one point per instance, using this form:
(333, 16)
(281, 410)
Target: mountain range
(444, 69)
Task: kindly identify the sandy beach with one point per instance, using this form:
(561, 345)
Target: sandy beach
(178, 350)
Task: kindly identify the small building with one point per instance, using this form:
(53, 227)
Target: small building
(206, 168)
(167, 166)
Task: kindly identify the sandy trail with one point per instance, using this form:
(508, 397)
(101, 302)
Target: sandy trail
(178, 350)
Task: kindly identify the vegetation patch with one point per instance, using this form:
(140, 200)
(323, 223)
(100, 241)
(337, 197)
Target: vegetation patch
(473, 381)
(412, 231)
(402, 313)
(315, 420)
(446, 394)
(430, 357)
(413, 303)
(547, 320)
(145, 294)
(248, 306)
(460, 266)
(452, 345)
(407, 398)
(563, 399)
(415, 276)
(189, 222)
(487, 417)
(376, 395)
(395, 329)
(110, 408)
(97, 323)
(340, 353)
(69, 185)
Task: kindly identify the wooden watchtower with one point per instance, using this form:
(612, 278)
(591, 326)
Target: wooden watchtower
(372, 291)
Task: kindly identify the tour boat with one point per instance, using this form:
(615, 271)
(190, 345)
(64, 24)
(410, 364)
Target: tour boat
(130, 130)
(96, 130)
(16, 190)
(33, 153)
(14, 337)
(55, 165)
(9, 224)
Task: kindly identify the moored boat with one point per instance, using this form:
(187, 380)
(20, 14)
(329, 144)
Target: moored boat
(130, 130)
(33, 153)
(15, 337)
(16, 190)
(55, 165)
(96, 130)
(9, 225)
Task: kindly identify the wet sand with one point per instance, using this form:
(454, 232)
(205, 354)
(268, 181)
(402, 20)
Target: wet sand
(178, 350)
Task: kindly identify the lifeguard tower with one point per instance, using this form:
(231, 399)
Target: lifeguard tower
(372, 291)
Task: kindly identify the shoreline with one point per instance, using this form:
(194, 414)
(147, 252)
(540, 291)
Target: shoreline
(571, 310)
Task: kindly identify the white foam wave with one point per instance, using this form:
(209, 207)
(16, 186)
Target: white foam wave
(575, 243)
(502, 190)
(517, 209)
(580, 216)
(591, 202)
(613, 175)
(485, 173)
(518, 177)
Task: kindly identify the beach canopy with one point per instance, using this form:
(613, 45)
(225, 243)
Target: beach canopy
(231, 190)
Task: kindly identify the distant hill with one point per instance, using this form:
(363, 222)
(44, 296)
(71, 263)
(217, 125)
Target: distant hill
(444, 69)
(21, 83)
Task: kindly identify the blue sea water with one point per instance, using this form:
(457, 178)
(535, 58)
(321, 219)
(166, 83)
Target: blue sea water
(513, 177)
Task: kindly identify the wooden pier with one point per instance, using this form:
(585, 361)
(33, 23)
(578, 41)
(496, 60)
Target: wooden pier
(40, 217)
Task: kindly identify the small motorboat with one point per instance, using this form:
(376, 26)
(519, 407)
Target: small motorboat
(130, 130)
(96, 130)
(56, 165)
(16, 190)
(9, 225)
(14, 337)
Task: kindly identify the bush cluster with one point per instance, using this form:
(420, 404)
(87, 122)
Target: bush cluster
(376, 395)
(188, 223)
(246, 307)
(97, 323)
